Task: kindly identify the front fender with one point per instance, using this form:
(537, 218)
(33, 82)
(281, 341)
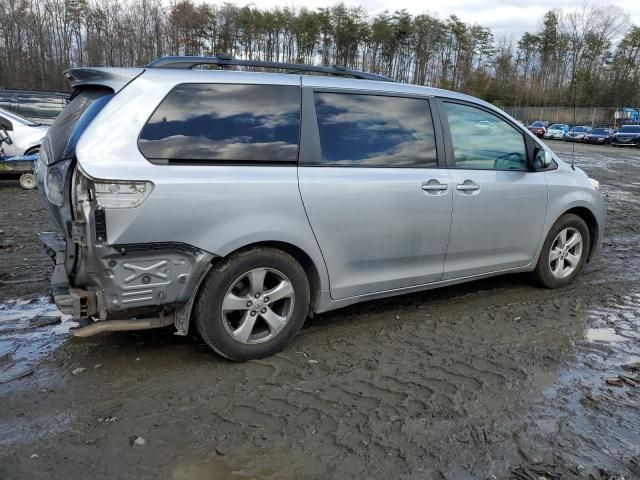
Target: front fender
(569, 189)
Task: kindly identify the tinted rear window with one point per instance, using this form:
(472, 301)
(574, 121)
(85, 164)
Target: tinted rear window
(63, 126)
(630, 129)
(372, 130)
(222, 123)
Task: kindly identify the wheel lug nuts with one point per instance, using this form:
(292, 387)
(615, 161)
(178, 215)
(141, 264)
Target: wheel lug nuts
(253, 313)
(264, 310)
(257, 295)
(266, 299)
(249, 303)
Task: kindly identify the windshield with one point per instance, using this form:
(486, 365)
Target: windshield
(630, 129)
(600, 131)
(557, 126)
(17, 118)
(537, 124)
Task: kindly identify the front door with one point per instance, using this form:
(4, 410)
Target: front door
(499, 204)
(376, 199)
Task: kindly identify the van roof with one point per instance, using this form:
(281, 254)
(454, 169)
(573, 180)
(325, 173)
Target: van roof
(179, 70)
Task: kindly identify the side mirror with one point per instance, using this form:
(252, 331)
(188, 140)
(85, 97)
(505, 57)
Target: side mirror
(4, 136)
(541, 159)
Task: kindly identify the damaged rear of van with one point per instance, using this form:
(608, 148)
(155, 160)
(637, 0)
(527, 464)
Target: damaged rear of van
(91, 278)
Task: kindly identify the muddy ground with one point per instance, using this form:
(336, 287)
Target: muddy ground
(493, 379)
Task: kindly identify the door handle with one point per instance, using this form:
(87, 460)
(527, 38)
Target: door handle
(467, 186)
(434, 186)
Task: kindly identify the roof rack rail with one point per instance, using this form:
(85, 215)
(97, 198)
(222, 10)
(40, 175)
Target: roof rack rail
(224, 60)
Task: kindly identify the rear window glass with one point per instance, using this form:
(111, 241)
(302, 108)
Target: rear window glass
(373, 130)
(630, 129)
(221, 123)
(63, 126)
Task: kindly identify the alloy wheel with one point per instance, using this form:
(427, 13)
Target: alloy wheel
(258, 305)
(566, 252)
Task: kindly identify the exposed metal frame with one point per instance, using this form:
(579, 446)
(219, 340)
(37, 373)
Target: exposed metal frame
(223, 60)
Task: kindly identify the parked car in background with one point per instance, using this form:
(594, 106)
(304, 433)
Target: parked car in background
(21, 166)
(38, 106)
(538, 128)
(484, 126)
(556, 131)
(243, 201)
(627, 136)
(576, 134)
(20, 136)
(600, 136)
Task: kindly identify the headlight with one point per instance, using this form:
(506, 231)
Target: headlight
(54, 182)
(595, 184)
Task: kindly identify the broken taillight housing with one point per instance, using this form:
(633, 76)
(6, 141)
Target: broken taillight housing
(120, 194)
(54, 182)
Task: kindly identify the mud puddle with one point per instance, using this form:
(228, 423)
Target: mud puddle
(29, 330)
(589, 415)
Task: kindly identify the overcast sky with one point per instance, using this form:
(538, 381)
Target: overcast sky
(505, 17)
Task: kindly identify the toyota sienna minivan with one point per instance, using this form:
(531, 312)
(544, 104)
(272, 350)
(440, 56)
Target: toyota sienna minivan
(236, 203)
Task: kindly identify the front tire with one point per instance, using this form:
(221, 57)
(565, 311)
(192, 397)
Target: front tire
(564, 252)
(252, 304)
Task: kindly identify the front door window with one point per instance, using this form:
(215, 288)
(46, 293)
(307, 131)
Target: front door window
(483, 141)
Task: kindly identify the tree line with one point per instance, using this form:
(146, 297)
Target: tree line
(587, 56)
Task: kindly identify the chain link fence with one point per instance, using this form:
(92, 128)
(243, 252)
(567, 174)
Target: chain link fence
(596, 116)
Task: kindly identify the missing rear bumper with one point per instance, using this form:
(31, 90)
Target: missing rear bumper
(77, 303)
(125, 281)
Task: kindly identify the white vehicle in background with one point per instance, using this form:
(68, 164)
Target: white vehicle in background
(556, 131)
(23, 137)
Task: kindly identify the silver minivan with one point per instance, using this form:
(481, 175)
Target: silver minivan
(236, 203)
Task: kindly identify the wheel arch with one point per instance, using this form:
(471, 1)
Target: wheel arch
(592, 224)
(303, 258)
(32, 149)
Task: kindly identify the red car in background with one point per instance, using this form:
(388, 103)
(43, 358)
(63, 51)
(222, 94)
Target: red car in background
(538, 128)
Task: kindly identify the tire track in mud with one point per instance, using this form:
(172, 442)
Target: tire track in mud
(409, 402)
(450, 385)
(402, 395)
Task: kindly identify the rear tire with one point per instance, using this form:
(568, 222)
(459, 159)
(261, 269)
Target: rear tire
(564, 252)
(234, 314)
